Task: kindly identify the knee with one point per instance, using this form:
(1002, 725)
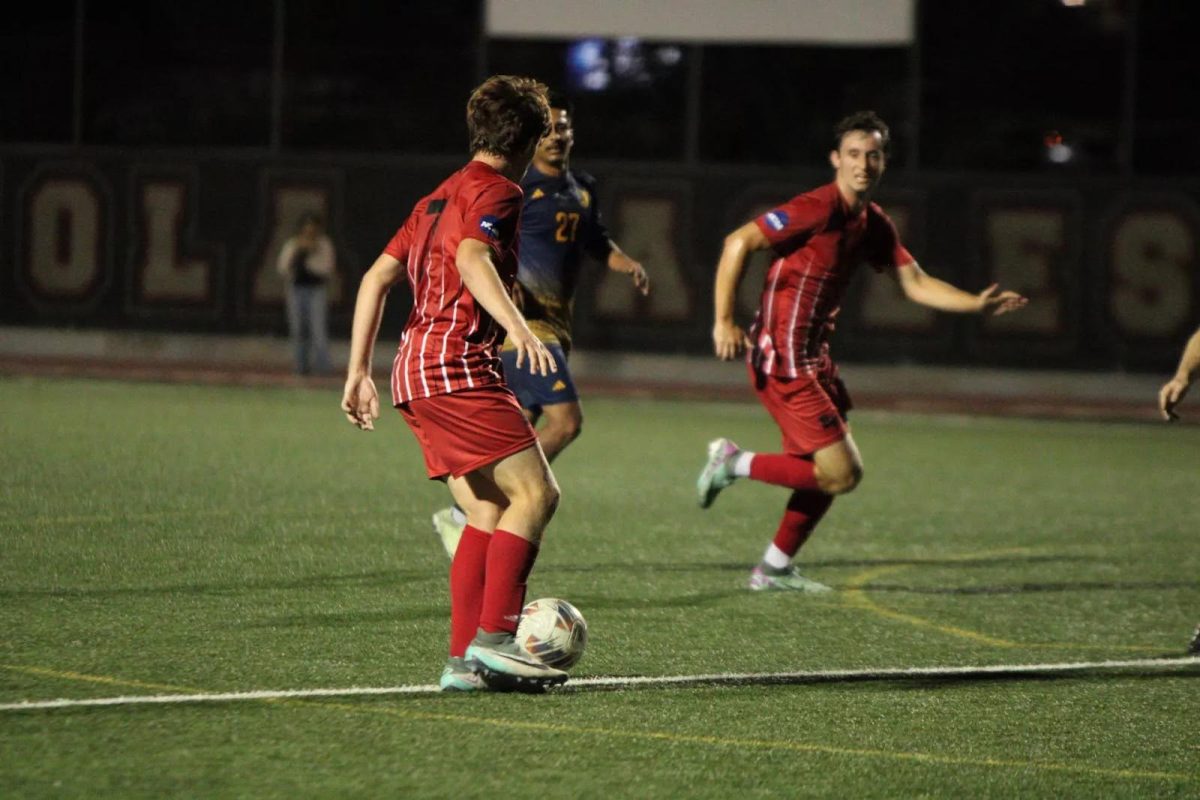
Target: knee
(540, 495)
(484, 515)
(546, 497)
(842, 481)
(566, 428)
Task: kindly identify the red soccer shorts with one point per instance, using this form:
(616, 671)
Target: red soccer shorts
(465, 430)
(810, 411)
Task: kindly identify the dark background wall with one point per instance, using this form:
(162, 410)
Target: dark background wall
(152, 157)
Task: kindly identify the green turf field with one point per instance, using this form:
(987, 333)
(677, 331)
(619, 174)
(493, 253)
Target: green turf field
(166, 539)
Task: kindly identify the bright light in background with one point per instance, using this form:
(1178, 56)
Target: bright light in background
(1074, 3)
(587, 65)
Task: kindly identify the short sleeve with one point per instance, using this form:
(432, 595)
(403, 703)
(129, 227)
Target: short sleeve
(494, 215)
(884, 248)
(793, 222)
(399, 246)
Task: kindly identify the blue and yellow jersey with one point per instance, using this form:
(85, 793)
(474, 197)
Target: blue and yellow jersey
(560, 221)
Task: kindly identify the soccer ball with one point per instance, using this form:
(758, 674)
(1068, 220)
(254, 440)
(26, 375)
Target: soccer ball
(553, 631)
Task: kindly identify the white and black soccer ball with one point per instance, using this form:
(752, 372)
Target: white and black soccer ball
(553, 631)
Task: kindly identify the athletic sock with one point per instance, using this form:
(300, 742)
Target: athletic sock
(509, 562)
(741, 465)
(458, 515)
(775, 561)
(467, 573)
(781, 469)
(804, 511)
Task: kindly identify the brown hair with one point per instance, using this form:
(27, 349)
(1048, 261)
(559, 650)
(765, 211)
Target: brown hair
(507, 115)
(861, 121)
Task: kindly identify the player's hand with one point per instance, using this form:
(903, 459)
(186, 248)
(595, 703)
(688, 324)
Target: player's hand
(1169, 396)
(641, 280)
(360, 401)
(995, 302)
(530, 348)
(729, 340)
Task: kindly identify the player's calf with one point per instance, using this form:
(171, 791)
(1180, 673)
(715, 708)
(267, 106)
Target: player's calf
(840, 481)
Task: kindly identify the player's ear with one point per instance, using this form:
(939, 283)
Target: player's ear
(834, 159)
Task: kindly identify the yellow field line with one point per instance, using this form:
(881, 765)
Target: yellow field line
(153, 516)
(757, 745)
(854, 596)
(104, 679)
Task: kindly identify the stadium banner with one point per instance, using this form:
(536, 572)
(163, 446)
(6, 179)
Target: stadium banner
(134, 241)
(822, 22)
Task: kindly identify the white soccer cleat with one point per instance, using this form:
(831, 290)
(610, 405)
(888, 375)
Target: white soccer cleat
(790, 581)
(718, 471)
(448, 529)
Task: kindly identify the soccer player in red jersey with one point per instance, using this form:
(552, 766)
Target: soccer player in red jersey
(1174, 390)
(560, 224)
(819, 239)
(457, 250)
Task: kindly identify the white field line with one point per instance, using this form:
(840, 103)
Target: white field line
(726, 678)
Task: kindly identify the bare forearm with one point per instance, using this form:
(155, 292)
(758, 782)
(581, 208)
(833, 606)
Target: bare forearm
(938, 294)
(729, 274)
(618, 261)
(1189, 362)
(484, 284)
(368, 312)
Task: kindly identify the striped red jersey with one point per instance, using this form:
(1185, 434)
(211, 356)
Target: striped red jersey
(818, 243)
(450, 342)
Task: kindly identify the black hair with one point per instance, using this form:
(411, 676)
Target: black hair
(560, 100)
(861, 121)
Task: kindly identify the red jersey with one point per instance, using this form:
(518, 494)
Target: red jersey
(450, 342)
(819, 244)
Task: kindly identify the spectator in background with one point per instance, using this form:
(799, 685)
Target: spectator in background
(1174, 390)
(306, 262)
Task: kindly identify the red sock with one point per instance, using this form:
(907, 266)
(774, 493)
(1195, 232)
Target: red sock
(781, 469)
(509, 562)
(467, 572)
(804, 511)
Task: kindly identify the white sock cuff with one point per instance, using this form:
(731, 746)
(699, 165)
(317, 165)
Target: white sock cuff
(741, 466)
(776, 558)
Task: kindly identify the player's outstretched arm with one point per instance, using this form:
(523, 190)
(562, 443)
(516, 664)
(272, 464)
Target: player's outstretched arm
(619, 261)
(360, 400)
(1175, 389)
(728, 338)
(474, 261)
(924, 289)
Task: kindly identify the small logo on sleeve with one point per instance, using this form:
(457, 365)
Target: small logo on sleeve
(777, 220)
(490, 225)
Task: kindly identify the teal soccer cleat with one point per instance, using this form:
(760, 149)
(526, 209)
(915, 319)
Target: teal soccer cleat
(458, 677)
(505, 667)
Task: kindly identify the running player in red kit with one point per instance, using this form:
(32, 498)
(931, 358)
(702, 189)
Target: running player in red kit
(819, 239)
(458, 251)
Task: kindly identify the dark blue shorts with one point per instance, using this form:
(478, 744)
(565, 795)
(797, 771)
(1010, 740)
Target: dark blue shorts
(535, 391)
